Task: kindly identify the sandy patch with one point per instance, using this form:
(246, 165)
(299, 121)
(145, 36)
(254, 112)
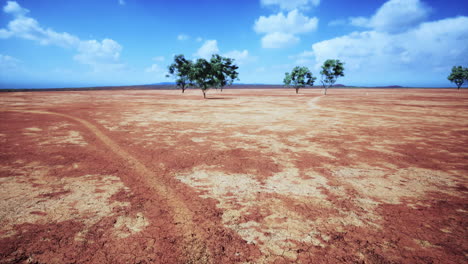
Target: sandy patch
(391, 186)
(128, 225)
(36, 198)
(279, 229)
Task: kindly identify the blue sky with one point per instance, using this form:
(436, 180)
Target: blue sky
(56, 43)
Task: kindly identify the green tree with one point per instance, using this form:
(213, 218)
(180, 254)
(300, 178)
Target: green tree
(300, 77)
(458, 75)
(224, 71)
(180, 70)
(331, 70)
(287, 79)
(202, 75)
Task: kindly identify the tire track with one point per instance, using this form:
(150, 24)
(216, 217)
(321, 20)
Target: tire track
(183, 216)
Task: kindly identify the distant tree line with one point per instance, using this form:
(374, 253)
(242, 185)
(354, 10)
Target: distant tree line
(218, 72)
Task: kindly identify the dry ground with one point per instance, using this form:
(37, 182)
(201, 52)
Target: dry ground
(247, 176)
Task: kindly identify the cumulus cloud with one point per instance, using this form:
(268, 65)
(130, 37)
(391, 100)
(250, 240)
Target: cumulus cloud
(14, 8)
(395, 16)
(426, 47)
(208, 48)
(183, 37)
(398, 45)
(28, 28)
(293, 23)
(291, 4)
(281, 30)
(101, 55)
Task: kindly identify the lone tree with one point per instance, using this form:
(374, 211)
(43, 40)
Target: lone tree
(224, 71)
(300, 77)
(458, 75)
(331, 70)
(180, 70)
(202, 75)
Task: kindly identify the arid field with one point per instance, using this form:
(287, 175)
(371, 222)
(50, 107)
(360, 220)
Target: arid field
(246, 176)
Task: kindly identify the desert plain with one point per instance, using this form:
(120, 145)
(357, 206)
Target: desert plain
(246, 176)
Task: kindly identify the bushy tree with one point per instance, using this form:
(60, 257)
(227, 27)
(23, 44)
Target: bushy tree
(224, 71)
(202, 75)
(180, 70)
(331, 70)
(300, 77)
(218, 72)
(459, 75)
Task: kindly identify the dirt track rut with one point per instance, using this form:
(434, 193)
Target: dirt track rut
(182, 215)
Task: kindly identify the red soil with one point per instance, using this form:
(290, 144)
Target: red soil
(258, 176)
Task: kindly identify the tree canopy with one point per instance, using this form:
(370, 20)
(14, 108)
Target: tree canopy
(331, 70)
(300, 77)
(218, 72)
(180, 69)
(224, 70)
(459, 75)
(202, 75)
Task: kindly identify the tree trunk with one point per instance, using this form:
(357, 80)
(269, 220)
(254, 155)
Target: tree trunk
(183, 90)
(325, 91)
(297, 90)
(204, 95)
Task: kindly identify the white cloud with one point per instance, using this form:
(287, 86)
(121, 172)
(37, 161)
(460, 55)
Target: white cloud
(425, 48)
(159, 58)
(15, 9)
(199, 39)
(293, 23)
(395, 16)
(208, 48)
(291, 4)
(278, 40)
(183, 37)
(98, 54)
(240, 57)
(101, 55)
(281, 30)
(28, 28)
(122, 2)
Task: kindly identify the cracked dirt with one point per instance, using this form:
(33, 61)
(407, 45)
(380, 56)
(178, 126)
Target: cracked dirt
(254, 176)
